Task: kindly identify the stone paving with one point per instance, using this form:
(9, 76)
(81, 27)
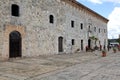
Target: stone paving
(78, 66)
(107, 68)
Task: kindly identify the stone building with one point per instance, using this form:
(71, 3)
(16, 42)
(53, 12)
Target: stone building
(44, 27)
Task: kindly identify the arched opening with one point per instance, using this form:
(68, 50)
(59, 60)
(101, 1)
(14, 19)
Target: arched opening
(15, 44)
(51, 19)
(89, 43)
(60, 44)
(15, 10)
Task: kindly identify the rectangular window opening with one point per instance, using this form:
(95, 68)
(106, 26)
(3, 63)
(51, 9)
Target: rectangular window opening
(81, 25)
(73, 42)
(72, 24)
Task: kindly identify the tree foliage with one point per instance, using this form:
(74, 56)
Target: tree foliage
(118, 40)
(94, 38)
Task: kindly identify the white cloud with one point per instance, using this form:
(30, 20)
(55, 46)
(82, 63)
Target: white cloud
(101, 1)
(114, 23)
(115, 1)
(96, 1)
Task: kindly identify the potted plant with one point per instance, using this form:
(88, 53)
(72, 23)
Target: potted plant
(103, 53)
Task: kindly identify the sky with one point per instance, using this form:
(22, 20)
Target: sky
(109, 9)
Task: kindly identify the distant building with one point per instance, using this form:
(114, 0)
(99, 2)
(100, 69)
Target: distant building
(44, 27)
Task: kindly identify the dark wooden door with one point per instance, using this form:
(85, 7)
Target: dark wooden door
(60, 44)
(14, 44)
(89, 43)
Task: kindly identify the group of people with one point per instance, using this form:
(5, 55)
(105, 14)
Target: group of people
(95, 48)
(102, 48)
(114, 47)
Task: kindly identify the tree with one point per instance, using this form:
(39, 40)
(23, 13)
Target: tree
(94, 38)
(118, 40)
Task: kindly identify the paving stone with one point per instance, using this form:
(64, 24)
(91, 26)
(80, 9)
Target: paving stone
(106, 68)
(78, 66)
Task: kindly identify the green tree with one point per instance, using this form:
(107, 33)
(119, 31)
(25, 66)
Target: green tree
(94, 38)
(118, 40)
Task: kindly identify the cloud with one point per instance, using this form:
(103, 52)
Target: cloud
(96, 1)
(114, 23)
(114, 1)
(101, 1)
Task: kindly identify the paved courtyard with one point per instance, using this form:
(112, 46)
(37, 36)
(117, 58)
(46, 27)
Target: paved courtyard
(78, 66)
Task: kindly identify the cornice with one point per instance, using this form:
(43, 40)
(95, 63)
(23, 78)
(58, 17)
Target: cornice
(81, 6)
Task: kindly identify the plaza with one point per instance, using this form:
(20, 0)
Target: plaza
(77, 66)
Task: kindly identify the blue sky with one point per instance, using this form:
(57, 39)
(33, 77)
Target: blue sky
(110, 9)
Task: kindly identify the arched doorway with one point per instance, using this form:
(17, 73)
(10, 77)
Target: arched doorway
(89, 43)
(60, 44)
(15, 44)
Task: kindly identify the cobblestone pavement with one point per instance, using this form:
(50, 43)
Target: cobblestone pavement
(107, 68)
(78, 66)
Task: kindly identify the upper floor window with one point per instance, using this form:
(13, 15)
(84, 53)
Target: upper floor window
(15, 10)
(95, 29)
(73, 42)
(104, 31)
(99, 30)
(72, 24)
(51, 19)
(89, 28)
(81, 25)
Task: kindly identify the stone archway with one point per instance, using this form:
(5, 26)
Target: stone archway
(15, 44)
(12, 32)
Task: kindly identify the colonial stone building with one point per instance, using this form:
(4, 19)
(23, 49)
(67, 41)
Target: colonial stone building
(44, 27)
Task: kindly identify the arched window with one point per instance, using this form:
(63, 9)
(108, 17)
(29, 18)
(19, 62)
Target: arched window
(73, 42)
(51, 19)
(99, 30)
(15, 10)
(81, 25)
(72, 23)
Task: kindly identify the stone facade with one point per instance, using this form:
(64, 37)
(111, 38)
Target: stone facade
(40, 37)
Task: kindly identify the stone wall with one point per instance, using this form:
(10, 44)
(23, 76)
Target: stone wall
(40, 36)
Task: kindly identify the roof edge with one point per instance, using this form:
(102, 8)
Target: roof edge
(79, 4)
